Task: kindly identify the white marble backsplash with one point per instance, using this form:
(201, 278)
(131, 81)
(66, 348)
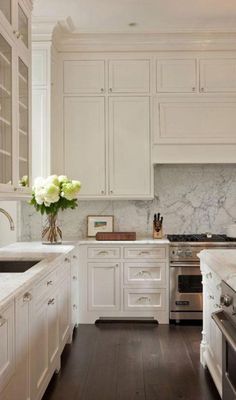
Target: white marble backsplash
(192, 199)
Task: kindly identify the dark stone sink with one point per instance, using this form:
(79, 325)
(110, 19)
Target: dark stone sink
(10, 266)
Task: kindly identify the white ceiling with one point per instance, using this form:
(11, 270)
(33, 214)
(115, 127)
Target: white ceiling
(150, 15)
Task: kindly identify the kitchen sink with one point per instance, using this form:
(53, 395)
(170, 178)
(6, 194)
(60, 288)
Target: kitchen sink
(10, 266)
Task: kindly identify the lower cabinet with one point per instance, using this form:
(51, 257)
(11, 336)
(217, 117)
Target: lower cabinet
(123, 280)
(7, 348)
(211, 345)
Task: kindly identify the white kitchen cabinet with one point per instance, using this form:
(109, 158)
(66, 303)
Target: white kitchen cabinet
(129, 76)
(84, 139)
(211, 345)
(195, 120)
(65, 303)
(176, 75)
(7, 345)
(53, 325)
(104, 286)
(129, 146)
(115, 281)
(218, 75)
(15, 97)
(84, 76)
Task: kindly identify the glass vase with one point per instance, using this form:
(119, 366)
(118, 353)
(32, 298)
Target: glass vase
(51, 233)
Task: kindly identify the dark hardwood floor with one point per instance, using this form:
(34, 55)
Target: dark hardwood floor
(132, 362)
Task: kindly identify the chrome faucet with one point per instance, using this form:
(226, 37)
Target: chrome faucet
(12, 226)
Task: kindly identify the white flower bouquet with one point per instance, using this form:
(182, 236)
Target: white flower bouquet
(51, 195)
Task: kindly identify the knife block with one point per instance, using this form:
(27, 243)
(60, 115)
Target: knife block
(157, 233)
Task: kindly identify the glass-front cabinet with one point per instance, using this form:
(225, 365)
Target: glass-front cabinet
(15, 98)
(5, 112)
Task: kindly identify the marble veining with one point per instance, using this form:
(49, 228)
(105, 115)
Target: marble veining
(192, 199)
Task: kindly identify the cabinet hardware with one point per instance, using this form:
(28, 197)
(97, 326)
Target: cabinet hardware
(17, 34)
(74, 278)
(117, 265)
(74, 306)
(144, 252)
(27, 297)
(202, 89)
(193, 89)
(2, 321)
(110, 89)
(210, 297)
(102, 252)
(67, 259)
(51, 301)
(75, 257)
(49, 283)
(209, 275)
(102, 191)
(142, 298)
(102, 90)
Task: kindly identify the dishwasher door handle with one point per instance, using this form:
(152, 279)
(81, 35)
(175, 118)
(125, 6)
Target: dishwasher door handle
(225, 326)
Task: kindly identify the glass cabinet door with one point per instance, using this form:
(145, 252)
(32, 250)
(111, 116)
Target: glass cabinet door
(5, 7)
(23, 26)
(23, 123)
(5, 112)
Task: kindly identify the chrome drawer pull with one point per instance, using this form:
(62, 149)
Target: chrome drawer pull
(49, 283)
(142, 298)
(67, 259)
(75, 257)
(102, 252)
(51, 301)
(27, 297)
(144, 252)
(2, 321)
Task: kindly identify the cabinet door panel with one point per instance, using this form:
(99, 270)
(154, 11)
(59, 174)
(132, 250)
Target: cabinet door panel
(218, 75)
(84, 76)
(197, 121)
(64, 310)
(53, 328)
(103, 286)
(129, 146)
(7, 363)
(5, 8)
(176, 75)
(84, 138)
(131, 76)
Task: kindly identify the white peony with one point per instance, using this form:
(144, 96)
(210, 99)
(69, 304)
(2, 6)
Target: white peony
(53, 179)
(51, 194)
(63, 179)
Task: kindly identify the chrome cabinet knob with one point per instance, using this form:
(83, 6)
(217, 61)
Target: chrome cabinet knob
(27, 297)
(226, 300)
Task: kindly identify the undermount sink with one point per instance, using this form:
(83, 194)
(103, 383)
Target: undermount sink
(12, 266)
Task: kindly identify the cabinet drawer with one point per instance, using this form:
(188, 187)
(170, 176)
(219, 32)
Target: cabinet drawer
(104, 252)
(145, 252)
(145, 274)
(46, 286)
(144, 299)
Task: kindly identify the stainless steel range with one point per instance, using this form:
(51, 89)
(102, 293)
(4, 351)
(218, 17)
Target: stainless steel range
(226, 321)
(185, 274)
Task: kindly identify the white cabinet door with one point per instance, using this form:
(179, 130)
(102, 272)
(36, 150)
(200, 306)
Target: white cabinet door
(84, 140)
(176, 75)
(84, 76)
(7, 349)
(39, 349)
(218, 75)
(104, 286)
(129, 146)
(65, 304)
(74, 291)
(196, 120)
(53, 327)
(129, 76)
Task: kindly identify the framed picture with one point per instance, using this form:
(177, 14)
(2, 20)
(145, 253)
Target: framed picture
(99, 223)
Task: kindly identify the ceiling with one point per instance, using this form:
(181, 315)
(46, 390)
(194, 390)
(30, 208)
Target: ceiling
(149, 15)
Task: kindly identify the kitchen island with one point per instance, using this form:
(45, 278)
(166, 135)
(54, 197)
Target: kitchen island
(216, 266)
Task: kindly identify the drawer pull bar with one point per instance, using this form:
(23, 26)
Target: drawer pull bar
(144, 252)
(144, 298)
(27, 297)
(51, 301)
(2, 321)
(102, 253)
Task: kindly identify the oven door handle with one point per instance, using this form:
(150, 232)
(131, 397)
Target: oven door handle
(179, 264)
(225, 326)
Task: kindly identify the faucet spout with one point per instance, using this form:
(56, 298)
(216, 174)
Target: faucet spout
(12, 226)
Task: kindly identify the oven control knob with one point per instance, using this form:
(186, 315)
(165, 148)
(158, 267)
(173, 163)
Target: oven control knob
(180, 252)
(226, 300)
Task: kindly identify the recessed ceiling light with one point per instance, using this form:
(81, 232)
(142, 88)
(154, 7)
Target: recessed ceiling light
(133, 24)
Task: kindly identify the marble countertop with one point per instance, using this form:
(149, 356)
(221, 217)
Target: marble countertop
(139, 240)
(12, 284)
(222, 262)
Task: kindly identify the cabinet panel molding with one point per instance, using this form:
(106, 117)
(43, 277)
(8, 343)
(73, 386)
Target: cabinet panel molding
(129, 76)
(218, 75)
(176, 75)
(84, 76)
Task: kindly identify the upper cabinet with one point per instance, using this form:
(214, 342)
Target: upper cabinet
(129, 76)
(84, 76)
(218, 75)
(176, 75)
(15, 88)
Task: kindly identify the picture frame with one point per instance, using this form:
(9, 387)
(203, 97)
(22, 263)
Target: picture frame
(99, 223)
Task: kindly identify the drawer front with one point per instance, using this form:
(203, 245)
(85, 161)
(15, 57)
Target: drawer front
(145, 252)
(145, 274)
(104, 252)
(144, 299)
(46, 286)
(211, 279)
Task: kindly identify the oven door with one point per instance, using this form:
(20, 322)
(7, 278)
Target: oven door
(185, 287)
(229, 354)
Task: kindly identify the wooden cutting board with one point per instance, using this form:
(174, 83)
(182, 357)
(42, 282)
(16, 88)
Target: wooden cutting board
(116, 236)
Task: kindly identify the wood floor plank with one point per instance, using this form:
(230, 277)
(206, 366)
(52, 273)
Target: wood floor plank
(133, 362)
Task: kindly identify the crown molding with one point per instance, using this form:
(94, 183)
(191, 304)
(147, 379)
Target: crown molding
(74, 41)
